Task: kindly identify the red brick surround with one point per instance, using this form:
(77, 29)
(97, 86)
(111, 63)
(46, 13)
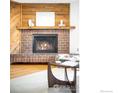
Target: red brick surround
(27, 39)
(26, 54)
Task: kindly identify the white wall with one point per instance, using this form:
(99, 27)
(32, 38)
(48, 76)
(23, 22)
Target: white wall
(74, 21)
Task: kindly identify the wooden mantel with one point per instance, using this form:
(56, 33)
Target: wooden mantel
(46, 27)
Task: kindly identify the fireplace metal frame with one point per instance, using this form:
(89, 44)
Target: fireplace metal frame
(44, 51)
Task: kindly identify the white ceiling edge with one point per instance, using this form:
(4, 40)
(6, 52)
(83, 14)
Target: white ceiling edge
(45, 1)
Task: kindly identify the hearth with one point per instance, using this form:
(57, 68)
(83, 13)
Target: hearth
(45, 43)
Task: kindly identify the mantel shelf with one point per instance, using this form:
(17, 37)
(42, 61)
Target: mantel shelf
(46, 27)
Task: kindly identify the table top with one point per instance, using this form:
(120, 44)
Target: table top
(68, 64)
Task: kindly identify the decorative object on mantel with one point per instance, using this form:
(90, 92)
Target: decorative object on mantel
(61, 23)
(30, 23)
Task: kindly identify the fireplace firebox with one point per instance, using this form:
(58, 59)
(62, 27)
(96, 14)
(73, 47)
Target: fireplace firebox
(45, 43)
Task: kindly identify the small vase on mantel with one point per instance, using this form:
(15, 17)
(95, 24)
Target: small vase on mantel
(30, 23)
(61, 23)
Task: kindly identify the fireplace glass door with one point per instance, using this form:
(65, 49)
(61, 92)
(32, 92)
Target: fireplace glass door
(45, 43)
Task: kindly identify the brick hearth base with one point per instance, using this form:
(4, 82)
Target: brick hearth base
(28, 58)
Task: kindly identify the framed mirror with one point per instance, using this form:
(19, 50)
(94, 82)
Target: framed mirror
(45, 18)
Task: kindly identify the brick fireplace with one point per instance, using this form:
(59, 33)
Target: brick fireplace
(27, 53)
(22, 36)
